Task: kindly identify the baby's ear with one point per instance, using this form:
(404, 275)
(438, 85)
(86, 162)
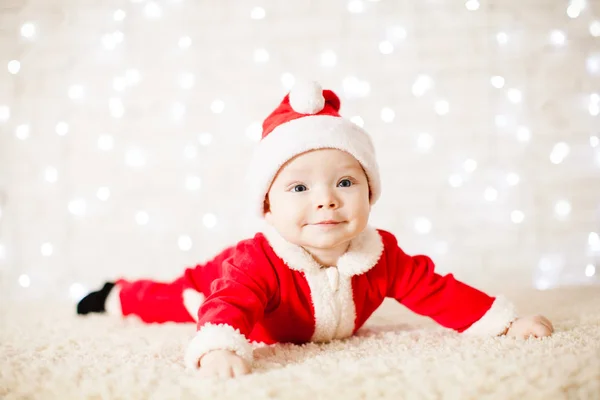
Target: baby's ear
(267, 212)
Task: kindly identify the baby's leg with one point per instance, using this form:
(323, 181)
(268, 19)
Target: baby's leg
(153, 301)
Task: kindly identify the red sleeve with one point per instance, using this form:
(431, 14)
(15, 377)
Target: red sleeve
(238, 299)
(413, 282)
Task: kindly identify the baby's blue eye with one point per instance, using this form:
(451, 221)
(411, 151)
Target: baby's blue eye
(299, 188)
(345, 183)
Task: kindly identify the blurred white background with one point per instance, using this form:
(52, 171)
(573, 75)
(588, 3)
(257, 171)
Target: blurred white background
(126, 125)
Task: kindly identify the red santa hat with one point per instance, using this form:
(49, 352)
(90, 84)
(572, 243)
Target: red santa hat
(307, 119)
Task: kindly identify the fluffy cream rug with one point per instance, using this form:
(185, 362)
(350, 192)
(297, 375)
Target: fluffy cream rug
(49, 353)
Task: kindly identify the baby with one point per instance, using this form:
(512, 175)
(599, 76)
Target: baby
(318, 270)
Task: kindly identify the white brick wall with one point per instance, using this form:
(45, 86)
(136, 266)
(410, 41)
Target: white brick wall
(458, 48)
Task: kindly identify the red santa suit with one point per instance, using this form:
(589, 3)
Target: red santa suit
(266, 289)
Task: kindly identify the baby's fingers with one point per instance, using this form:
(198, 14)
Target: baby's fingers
(547, 323)
(540, 330)
(239, 369)
(215, 371)
(226, 372)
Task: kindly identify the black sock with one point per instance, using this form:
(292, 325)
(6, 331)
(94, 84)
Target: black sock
(95, 301)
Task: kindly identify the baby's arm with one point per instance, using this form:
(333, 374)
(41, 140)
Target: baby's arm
(453, 304)
(225, 320)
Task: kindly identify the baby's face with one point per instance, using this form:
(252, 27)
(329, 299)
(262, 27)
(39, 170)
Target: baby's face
(319, 199)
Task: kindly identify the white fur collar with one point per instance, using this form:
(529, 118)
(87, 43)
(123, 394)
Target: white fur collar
(362, 255)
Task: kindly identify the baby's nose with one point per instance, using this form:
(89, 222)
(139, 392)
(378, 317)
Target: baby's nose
(325, 205)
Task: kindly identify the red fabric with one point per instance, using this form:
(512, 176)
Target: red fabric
(285, 113)
(159, 302)
(154, 301)
(415, 284)
(251, 289)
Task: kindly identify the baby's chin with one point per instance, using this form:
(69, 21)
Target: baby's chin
(324, 240)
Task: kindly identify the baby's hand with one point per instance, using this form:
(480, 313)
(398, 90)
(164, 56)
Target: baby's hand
(537, 326)
(223, 364)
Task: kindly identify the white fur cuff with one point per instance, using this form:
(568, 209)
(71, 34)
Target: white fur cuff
(217, 337)
(192, 300)
(495, 321)
(112, 304)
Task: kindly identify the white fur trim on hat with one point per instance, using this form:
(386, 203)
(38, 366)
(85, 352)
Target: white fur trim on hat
(307, 98)
(304, 134)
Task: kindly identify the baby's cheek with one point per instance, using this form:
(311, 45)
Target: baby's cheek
(365, 210)
(292, 216)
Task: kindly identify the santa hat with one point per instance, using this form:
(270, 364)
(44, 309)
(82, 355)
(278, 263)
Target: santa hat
(307, 119)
